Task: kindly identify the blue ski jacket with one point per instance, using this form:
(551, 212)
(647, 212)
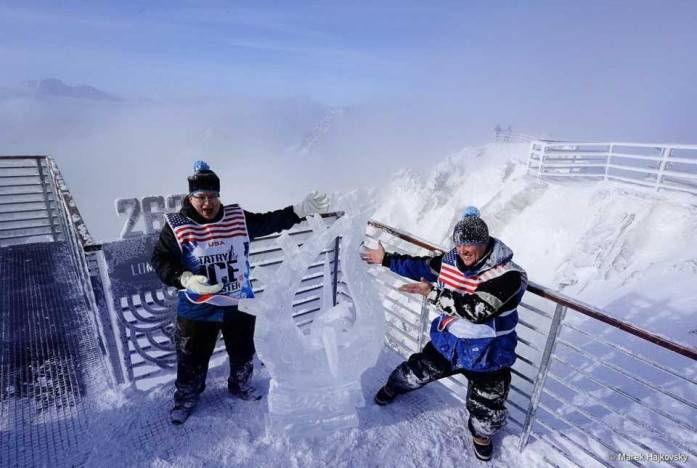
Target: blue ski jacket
(477, 305)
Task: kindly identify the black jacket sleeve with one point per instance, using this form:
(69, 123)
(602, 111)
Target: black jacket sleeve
(167, 259)
(489, 300)
(263, 224)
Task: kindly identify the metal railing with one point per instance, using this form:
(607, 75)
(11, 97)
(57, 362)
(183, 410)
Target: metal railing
(36, 206)
(28, 210)
(656, 166)
(591, 387)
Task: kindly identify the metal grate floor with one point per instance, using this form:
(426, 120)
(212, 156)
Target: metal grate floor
(48, 346)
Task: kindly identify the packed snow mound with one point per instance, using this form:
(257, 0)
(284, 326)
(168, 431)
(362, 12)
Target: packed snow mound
(619, 247)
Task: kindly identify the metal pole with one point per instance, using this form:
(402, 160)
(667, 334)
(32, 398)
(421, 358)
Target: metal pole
(665, 154)
(530, 153)
(543, 150)
(44, 190)
(554, 330)
(423, 322)
(608, 161)
(335, 273)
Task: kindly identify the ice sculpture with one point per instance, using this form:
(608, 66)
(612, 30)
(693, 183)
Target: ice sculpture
(315, 376)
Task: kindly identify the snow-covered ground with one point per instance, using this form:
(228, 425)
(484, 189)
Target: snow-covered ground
(425, 428)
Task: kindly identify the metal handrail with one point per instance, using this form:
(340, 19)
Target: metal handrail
(575, 159)
(598, 314)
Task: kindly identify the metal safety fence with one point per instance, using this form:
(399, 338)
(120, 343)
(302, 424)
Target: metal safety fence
(28, 209)
(656, 166)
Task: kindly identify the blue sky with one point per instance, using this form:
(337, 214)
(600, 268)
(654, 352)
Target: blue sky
(560, 69)
(343, 52)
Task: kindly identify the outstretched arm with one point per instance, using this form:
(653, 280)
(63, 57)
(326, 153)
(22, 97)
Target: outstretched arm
(263, 224)
(416, 268)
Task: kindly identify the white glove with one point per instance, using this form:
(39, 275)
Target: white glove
(314, 202)
(198, 283)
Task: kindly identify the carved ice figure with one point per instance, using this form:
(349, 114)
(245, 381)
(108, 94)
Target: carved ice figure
(315, 375)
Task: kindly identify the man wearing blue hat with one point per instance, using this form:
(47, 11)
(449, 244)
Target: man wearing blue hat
(476, 289)
(203, 251)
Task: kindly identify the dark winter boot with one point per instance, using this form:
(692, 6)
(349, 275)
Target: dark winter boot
(483, 447)
(246, 392)
(179, 414)
(239, 382)
(384, 396)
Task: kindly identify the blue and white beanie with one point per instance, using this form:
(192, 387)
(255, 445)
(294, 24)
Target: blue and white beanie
(204, 179)
(471, 229)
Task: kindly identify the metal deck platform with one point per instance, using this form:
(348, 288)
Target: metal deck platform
(50, 358)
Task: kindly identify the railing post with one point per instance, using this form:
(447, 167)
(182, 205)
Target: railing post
(423, 323)
(608, 161)
(665, 154)
(335, 272)
(47, 202)
(543, 150)
(554, 330)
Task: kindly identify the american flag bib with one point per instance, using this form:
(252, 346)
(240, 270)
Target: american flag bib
(218, 251)
(450, 277)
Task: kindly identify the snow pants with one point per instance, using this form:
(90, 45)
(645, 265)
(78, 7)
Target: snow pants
(486, 391)
(195, 342)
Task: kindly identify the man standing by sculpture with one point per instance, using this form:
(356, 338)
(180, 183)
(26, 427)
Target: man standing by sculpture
(477, 290)
(203, 251)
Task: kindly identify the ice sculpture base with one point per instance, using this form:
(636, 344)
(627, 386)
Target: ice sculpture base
(317, 411)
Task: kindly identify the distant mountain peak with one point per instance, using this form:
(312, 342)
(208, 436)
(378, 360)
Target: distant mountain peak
(330, 119)
(53, 87)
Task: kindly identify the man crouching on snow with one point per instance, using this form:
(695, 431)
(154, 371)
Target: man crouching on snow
(477, 289)
(204, 252)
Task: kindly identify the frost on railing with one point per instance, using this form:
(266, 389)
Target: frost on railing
(315, 372)
(656, 166)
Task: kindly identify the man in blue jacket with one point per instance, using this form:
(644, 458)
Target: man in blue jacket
(476, 288)
(204, 252)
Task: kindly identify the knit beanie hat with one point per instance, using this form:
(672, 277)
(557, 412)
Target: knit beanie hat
(471, 229)
(203, 180)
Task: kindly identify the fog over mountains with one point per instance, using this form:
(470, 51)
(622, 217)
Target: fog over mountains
(53, 87)
(269, 152)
